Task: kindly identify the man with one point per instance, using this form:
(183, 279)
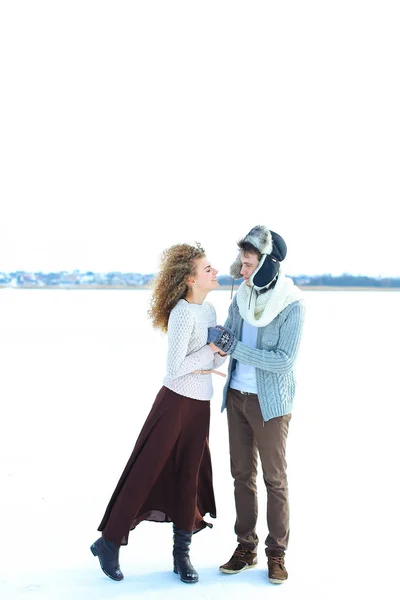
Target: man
(262, 335)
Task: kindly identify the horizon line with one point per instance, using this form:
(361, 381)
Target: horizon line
(326, 274)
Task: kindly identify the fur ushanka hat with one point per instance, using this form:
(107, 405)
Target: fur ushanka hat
(273, 250)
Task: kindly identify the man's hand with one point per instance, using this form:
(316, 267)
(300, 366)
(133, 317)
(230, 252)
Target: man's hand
(223, 338)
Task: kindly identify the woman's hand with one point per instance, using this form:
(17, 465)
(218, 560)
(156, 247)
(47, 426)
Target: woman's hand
(216, 350)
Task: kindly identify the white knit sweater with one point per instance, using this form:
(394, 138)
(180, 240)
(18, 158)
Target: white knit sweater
(188, 350)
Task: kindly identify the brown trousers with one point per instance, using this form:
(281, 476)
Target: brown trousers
(248, 433)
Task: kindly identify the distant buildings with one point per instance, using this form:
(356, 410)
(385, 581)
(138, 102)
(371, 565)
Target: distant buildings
(22, 279)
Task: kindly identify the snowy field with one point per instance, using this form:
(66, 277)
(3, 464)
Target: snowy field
(79, 372)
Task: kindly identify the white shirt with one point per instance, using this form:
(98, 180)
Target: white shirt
(244, 376)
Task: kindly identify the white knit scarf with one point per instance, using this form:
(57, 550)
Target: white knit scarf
(265, 307)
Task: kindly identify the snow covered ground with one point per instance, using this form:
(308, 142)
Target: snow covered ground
(79, 372)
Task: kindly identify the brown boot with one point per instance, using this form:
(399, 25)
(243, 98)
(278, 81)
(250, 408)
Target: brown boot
(276, 566)
(240, 560)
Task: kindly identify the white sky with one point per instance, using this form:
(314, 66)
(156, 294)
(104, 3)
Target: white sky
(129, 126)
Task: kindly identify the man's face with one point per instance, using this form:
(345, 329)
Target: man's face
(249, 264)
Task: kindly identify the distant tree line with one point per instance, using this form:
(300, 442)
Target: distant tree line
(347, 280)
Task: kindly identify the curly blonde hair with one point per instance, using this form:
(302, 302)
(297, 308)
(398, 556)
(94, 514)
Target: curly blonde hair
(170, 285)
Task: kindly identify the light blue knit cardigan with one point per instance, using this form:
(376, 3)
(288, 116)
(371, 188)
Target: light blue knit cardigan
(274, 358)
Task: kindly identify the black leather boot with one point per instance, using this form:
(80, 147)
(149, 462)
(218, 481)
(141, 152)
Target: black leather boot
(182, 564)
(108, 555)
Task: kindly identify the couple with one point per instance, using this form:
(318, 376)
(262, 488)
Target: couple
(168, 476)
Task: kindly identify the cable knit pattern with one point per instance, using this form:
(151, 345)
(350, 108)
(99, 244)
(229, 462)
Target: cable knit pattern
(188, 350)
(274, 358)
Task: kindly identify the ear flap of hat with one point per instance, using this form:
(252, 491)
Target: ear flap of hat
(279, 248)
(266, 271)
(236, 268)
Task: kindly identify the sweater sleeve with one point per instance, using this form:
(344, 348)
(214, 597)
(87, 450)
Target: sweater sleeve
(218, 360)
(180, 327)
(282, 358)
(228, 322)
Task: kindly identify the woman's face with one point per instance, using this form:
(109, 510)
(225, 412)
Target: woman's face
(206, 276)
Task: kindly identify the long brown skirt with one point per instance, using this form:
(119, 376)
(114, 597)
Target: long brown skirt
(168, 476)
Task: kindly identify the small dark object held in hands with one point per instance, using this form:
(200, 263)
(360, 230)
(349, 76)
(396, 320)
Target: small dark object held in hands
(223, 338)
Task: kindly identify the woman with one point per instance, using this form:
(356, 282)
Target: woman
(168, 476)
